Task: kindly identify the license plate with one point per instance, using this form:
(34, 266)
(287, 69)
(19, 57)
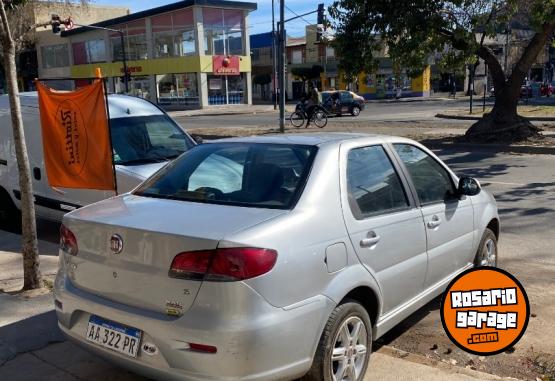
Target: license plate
(115, 336)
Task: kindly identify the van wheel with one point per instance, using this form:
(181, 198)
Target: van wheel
(10, 216)
(345, 345)
(487, 251)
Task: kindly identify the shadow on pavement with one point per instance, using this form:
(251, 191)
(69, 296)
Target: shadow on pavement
(29, 334)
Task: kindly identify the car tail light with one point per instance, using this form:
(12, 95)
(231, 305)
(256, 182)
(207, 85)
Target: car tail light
(223, 265)
(68, 242)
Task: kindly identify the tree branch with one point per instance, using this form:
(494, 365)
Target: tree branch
(495, 67)
(530, 54)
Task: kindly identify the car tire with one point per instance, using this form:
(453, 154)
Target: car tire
(10, 215)
(487, 251)
(355, 111)
(354, 356)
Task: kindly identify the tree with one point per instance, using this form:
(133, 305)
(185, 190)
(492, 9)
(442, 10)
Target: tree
(414, 30)
(11, 39)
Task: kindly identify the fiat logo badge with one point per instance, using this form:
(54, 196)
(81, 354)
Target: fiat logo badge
(116, 244)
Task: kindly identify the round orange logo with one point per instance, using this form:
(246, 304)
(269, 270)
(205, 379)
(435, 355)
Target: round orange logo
(485, 311)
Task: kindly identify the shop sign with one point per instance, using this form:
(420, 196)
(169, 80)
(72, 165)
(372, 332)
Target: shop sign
(132, 69)
(225, 65)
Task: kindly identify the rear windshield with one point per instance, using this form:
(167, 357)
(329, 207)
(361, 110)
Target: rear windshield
(243, 174)
(147, 139)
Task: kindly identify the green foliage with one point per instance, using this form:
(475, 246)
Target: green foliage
(412, 31)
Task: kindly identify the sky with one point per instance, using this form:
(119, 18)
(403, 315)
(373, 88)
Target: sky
(260, 21)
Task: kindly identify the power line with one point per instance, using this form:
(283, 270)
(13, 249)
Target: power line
(296, 14)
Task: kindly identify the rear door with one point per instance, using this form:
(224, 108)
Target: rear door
(448, 218)
(384, 224)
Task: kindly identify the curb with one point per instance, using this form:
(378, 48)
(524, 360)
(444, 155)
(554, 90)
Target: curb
(462, 117)
(419, 359)
(534, 150)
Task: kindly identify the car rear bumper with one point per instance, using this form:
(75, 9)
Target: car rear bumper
(255, 340)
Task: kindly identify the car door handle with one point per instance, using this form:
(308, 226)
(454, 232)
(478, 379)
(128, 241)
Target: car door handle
(371, 240)
(434, 222)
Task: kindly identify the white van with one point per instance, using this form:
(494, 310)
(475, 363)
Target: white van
(144, 138)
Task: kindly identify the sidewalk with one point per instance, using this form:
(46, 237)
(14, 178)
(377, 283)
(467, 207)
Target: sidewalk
(11, 261)
(227, 110)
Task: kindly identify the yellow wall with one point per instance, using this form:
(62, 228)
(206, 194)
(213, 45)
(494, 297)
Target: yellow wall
(422, 82)
(190, 64)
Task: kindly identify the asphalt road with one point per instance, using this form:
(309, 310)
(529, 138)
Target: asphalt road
(524, 186)
(376, 112)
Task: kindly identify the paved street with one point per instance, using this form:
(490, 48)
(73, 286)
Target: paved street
(382, 111)
(525, 191)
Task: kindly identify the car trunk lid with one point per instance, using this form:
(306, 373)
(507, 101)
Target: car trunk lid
(152, 233)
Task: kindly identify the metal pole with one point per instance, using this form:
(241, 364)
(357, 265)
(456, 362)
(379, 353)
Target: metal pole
(471, 67)
(274, 52)
(283, 58)
(124, 59)
(485, 88)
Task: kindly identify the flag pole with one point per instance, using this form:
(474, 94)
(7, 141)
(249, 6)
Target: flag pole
(98, 74)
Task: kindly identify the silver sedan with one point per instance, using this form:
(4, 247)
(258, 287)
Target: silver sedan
(269, 258)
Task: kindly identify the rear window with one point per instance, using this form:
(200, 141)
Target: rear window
(243, 174)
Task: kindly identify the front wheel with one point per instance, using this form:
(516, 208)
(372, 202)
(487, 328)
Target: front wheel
(297, 119)
(487, 251)
(355, 111)
(345, 345)
(320, 118)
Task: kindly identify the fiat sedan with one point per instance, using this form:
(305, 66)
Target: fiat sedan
(269, 258)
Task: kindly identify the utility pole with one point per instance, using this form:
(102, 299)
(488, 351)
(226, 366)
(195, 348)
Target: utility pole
(274, 53)
(283, 60)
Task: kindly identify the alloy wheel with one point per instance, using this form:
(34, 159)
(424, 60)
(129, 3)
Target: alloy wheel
(350, 350)
(489, 254)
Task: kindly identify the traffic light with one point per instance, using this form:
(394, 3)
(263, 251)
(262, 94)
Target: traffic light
(321, 14)
(55, 22)
(320, 22)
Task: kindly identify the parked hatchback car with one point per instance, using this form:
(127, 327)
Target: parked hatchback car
(342, 102)
(289, 262)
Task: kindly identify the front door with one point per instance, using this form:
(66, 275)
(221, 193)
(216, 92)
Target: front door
(384, 225)
(448, 218)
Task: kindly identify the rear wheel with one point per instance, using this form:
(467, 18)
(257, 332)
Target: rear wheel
(297, 119)
(487, 251)
(344, 348)
(320, 118)
(355, 111)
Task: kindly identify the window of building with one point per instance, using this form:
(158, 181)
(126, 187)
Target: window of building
(89, 52)
(135, 41)
(226, 89)
(54, 56)
(223, 31)
(297, 57)
(174, 34)
(178, 89)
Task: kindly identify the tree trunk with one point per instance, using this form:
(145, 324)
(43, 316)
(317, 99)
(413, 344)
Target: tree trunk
(503, 124)
(31, 272)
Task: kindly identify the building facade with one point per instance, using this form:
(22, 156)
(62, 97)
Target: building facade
(308, 53)
(189, 54)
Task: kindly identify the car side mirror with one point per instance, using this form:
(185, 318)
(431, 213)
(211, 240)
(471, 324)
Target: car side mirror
(469, 186)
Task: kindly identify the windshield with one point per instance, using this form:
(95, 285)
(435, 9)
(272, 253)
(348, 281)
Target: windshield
(147, 139)
(244, 174)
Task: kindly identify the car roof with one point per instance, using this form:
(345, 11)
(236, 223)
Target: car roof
(313, 139)
(120, 105)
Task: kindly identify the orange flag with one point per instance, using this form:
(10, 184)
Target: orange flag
(75, 137)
